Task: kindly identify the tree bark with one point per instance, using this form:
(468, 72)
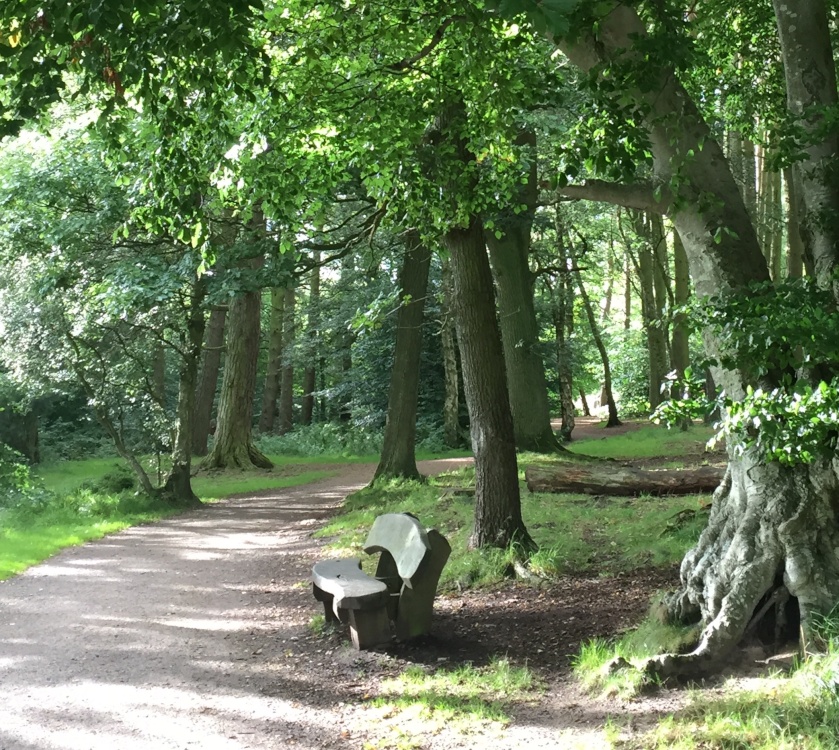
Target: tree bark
(452, 432)
(205, 393)
(609, 478)
(398, 457)
(810, 72)
(312, 334)
(271, 389)
(287, 376)
(233, 446)
(509, 257)
(178, 484)
(498, 520)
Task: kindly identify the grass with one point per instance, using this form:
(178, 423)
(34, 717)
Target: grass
(648, 441)
(575, 533)
(777, 712)
(651, 637)
(85, 500)
(467, 699)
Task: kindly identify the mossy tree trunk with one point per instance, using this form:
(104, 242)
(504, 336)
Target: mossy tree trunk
(398, 457)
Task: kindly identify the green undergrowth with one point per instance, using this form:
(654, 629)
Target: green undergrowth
(575, 533)
(650, 638)
(421, 701)
(647, 441)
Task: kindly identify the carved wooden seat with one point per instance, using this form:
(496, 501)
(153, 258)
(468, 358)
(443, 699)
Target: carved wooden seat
(402, 592)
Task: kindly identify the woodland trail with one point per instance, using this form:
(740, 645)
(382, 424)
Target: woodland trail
(192, 633)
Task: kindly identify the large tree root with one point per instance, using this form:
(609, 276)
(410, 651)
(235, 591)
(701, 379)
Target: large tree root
(770, 527)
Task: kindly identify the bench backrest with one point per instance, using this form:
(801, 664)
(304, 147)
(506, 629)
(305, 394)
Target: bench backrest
(403, 542)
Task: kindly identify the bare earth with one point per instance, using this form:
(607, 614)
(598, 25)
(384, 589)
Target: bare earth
(192, 633)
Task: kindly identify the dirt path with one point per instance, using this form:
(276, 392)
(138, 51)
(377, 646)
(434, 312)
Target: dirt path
(192, 633)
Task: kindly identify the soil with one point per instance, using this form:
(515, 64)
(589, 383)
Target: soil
(194, 633)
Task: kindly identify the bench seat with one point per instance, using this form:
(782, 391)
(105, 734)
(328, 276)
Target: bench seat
(411, 559)
(349, 595)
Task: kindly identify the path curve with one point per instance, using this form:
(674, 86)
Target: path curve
(179, 634)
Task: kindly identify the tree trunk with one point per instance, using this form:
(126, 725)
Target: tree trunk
(312, 333)
(680, 354)
(584, 403)
(233, 445)
(652, 291)
(178, 484)
(627, 291)
(804, 32)
(609, 478)
(271, 389)
(776, 214)
(795, 254)
(613, 420)
(509, 256)
(563, 299)
(205, 394)
(498, 521)
(453, 435)
(287, 384)
(398, 458)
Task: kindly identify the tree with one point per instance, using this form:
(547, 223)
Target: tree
(233, 445)
(205, 393)
(508, 240)
(271, 388)
(397, 458)
(788, 508)
(498, 520)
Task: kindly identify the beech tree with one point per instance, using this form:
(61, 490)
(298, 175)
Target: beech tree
(398, 458)
(773, 522)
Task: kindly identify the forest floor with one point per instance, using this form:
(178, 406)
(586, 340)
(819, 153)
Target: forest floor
(194, 632)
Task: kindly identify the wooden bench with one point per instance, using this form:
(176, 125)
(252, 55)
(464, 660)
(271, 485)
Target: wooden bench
(402, 592)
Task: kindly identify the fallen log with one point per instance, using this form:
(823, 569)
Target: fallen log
(607, 478)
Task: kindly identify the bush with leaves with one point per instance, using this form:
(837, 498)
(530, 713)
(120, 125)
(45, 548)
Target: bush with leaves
(787, 333)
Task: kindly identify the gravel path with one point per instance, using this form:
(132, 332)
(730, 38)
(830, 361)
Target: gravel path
(192, 633)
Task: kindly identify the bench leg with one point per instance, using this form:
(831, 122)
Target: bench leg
(369, 628)
(329, 607)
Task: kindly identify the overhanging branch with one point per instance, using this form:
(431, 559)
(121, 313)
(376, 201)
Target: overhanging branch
(642, 196)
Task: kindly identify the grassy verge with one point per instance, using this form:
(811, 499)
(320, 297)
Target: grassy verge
(777, 712)
(576, 533)
(648, 441)
(83, 500)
